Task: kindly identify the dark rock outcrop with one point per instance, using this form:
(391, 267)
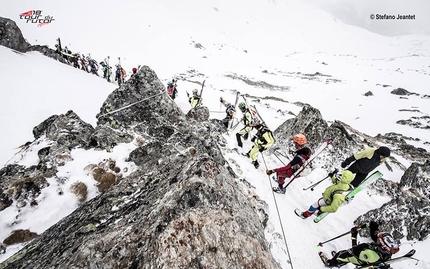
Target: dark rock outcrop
(401, 91)
(407, 215)
(11, 36)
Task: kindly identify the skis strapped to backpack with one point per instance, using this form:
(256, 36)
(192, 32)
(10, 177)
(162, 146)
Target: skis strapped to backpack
(59, 44)
(388, 262)
(320, 149)
(255, 117)
(235, 105)
(200, 95)
(366, 182)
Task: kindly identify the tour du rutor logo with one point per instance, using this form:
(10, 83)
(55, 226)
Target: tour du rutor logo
(35, 16)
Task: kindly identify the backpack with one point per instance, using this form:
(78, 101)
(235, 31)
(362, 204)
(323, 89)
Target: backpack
(254, 117)
(170, 89)
(123, 73)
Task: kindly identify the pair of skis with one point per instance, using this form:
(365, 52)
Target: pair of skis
(235, 105)
(234, 125)
(375, 265)
(366, 182)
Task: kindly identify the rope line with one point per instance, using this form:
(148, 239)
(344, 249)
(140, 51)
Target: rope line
(279, 216)
(274, 153)
(127, 106)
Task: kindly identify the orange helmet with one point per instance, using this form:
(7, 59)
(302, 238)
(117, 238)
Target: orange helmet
(300, 139)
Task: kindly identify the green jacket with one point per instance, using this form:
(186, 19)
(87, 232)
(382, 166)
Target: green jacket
(247, 118)
(194, 100)
(334, 195)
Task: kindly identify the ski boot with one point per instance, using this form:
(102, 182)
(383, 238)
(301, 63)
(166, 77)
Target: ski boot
(324, 259)
(279, 190)
(303, 215)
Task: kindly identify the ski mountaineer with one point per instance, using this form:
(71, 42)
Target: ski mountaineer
(364, 162)
(134, 71)
(107, 71)
(263, 139)
(119, 75)
(230, 110)
(379, 251)
(333, 196)
(172, 90)
(195, 99)
(247, 121)
(302, 154)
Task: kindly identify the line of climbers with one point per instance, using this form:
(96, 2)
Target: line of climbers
(357, 168)
(90, 65)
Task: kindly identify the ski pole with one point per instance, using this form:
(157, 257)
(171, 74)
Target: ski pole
(315, 184)
(264, 161)
(320, 244)
(285, 156)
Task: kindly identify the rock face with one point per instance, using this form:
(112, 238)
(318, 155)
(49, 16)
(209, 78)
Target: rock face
(11, 36)
(408, 213)
(401, 91)
(181, 208)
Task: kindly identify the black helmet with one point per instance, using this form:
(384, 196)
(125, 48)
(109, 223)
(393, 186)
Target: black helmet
(384, 151)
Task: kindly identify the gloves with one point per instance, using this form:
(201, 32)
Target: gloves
(261, 149)
(347, 161)
(221, 100)
(373, 226)
(331, 174)
(269, 172)
(354, 232)
(253, 139)
(348, 199)
(319, 212)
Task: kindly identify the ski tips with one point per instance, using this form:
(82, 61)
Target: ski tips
(410, 253)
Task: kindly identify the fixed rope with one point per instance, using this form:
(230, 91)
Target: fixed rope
(127, 106)
(279, 216)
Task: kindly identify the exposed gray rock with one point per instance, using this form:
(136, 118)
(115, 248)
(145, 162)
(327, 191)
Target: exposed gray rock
(369, 93)
(416, 122)
(407, 215)
(67, 130)
(401, 91)
(11, 36)
(49, 53)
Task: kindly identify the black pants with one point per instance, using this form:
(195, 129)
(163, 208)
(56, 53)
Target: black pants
(359, 177)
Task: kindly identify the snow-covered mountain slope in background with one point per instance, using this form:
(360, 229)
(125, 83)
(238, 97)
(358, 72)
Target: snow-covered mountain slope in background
(281, 43)
(38, 88)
